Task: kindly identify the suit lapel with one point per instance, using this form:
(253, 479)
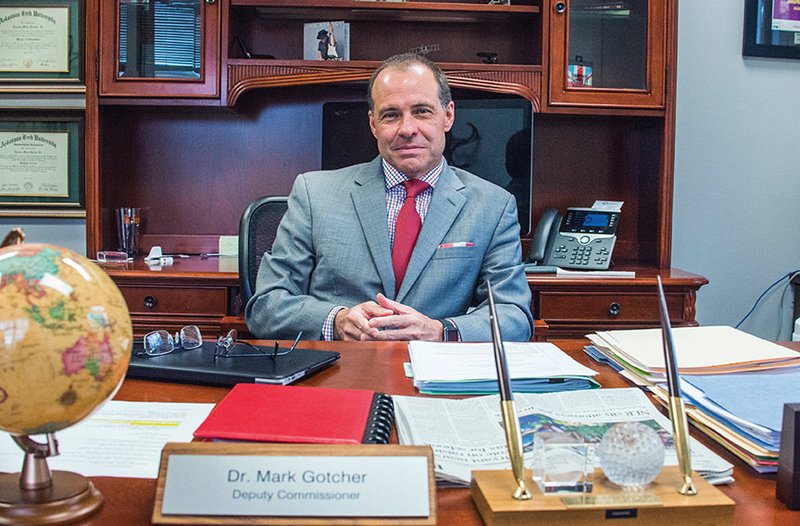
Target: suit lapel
(444, 208)
(369, 199)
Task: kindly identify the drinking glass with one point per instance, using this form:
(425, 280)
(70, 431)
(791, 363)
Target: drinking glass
(129, 221)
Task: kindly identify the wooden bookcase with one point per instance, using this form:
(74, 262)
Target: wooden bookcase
(193, 153)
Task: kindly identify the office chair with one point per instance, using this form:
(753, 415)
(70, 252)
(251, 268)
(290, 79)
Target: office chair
(257, 230)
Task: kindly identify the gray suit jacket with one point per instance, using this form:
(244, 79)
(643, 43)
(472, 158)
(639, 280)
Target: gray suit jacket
(332, 249)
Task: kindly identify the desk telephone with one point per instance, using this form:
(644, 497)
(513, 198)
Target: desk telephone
(583, 240)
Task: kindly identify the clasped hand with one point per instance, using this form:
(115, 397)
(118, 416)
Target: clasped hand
(385, 320)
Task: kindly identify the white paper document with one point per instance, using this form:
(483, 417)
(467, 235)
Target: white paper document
(121, 439)
(449, 362)
(469, 368)
(468, 434)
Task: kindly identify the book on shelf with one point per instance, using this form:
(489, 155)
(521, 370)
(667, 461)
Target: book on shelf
(326, 40)
(297, 414)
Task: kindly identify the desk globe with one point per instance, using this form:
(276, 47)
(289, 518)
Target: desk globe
(65, 344)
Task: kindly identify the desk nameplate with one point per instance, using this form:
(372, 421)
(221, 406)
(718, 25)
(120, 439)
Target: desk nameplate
(293, 484)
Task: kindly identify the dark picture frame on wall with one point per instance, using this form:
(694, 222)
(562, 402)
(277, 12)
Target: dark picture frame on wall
(40, 41)
(771, 29)
(42, 167)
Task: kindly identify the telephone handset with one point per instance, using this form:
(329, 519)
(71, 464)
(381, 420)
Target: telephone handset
(549, 222)
(582, 240)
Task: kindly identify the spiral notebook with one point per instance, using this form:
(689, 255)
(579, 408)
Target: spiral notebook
(298, 414)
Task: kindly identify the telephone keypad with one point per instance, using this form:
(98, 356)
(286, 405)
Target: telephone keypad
(580, 255)
(571, 252)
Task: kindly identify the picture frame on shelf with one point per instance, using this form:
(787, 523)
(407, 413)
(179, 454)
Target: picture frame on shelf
(579, 73)
(41, 42)
(42, 166)
(326, 40)
(771, 29)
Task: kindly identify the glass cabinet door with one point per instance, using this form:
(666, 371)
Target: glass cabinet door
(608, 53)
(159, 48)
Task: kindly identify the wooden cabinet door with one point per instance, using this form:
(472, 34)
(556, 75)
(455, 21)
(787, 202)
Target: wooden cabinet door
(159, 48)
(607, 53)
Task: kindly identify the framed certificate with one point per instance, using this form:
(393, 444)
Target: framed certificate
(771, 28)
(41, 41)
(41, 167)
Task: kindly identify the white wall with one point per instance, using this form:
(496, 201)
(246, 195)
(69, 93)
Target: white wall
(737, 170)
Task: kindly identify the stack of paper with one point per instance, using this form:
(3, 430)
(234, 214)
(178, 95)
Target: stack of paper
(734, 384)
(699, 350)
(469, 368)
(467, 434)
(742, 411)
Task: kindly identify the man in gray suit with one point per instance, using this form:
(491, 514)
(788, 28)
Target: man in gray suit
(338, 269)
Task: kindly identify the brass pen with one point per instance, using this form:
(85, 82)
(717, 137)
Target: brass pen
(677, 413)
(507, 407)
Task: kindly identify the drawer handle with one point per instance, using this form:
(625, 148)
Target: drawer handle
(560, 7)
(150, 302)
(613, 309)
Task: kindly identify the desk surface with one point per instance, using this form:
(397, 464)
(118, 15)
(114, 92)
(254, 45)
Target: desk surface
(379, 367)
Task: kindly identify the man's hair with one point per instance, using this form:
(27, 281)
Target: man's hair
(405, 61)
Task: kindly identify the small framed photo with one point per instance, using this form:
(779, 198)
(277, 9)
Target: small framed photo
(771, 29)
(40, 41)
(579, 74)
(42, 167)
(326, 41)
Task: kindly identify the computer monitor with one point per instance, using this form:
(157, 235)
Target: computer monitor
(491, 137)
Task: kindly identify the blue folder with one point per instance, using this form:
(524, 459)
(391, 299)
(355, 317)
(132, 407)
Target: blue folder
(757, 398)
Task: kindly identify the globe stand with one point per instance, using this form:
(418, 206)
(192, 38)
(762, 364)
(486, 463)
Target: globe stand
(38, 496)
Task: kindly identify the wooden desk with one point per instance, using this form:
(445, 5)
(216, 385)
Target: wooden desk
(376, 366)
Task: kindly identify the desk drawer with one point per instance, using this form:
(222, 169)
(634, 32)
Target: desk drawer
(607, 307)
(169, 300)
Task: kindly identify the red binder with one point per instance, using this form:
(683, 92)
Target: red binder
(312, 415)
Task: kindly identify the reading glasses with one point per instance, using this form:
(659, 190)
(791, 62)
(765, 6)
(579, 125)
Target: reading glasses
(158, 343)
(228, 344)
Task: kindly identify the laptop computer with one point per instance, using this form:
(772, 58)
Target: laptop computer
(199, 366)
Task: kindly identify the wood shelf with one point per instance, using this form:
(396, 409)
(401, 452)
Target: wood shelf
(247, 74)
(367, 5)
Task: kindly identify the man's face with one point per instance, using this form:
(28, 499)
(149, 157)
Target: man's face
(408, 120)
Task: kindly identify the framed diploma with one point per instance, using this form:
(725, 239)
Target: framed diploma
(41, 41)
(41, 167)
(771, 28)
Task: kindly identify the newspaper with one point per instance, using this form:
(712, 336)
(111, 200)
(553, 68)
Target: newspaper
(468, 434)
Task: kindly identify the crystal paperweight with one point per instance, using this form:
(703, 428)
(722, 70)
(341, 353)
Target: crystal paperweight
(631, 454)
(561, 463)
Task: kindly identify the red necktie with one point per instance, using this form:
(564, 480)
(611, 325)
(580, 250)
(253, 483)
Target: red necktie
(406, 230)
